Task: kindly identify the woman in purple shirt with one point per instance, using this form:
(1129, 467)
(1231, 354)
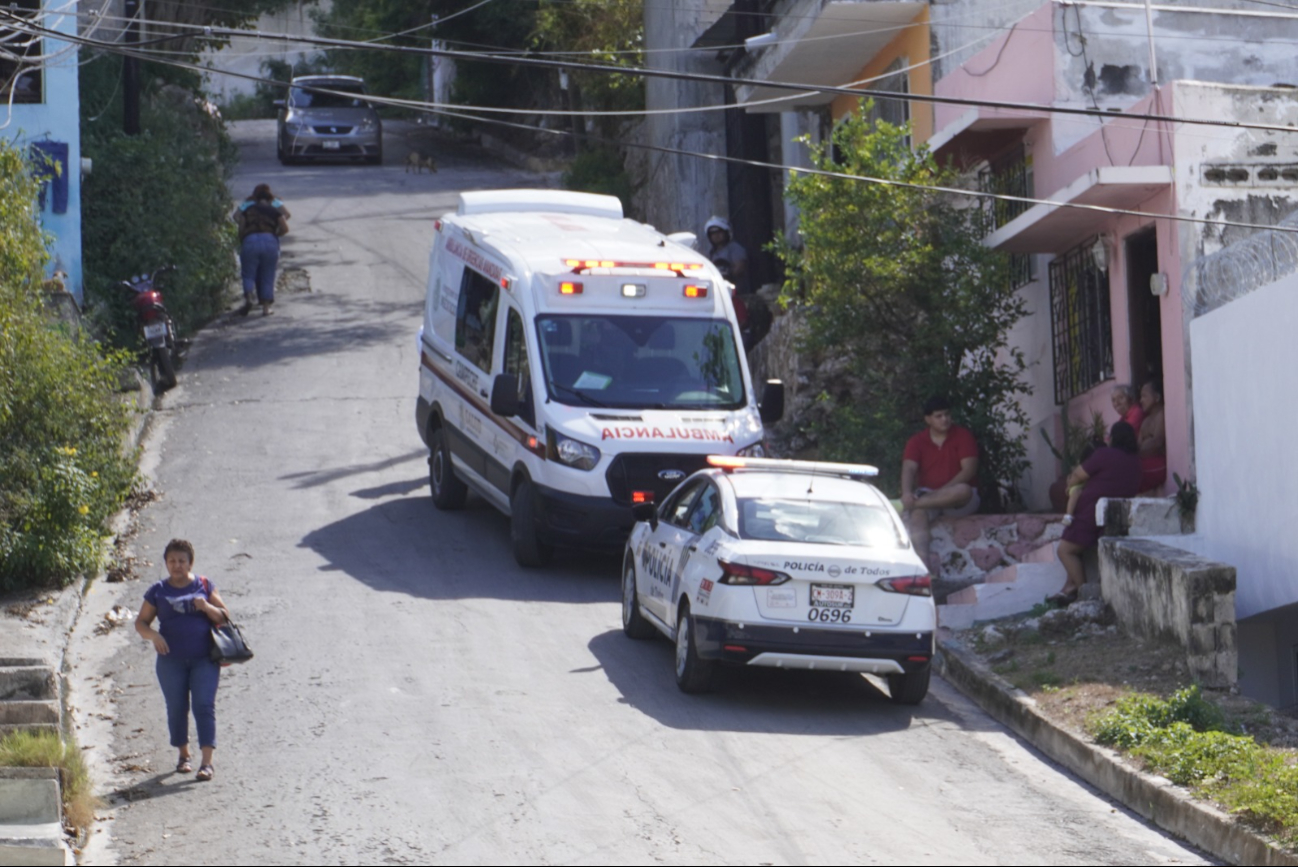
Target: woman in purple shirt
(186, 607)
(1112, 471)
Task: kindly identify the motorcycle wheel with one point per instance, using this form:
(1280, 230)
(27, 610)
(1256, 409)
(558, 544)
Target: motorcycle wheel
(162, 370)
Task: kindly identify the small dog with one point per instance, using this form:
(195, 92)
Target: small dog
(419, 162)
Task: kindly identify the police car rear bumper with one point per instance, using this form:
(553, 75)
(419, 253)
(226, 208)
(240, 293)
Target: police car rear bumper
(821, 649)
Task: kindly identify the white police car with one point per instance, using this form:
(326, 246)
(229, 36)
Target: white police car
(784, 564)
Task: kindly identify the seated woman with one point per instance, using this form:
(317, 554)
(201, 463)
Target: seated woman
(1152, 440)
(1111, 471)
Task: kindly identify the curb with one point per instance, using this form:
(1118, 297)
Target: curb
(1154, 798)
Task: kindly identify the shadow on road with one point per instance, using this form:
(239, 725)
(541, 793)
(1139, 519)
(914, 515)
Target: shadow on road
(346, 325)
(407, 546)
(747, 699)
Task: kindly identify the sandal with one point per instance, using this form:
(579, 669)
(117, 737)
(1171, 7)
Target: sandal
(183, 766)
(204, 773)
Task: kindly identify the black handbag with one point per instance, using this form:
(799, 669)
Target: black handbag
(228, 646)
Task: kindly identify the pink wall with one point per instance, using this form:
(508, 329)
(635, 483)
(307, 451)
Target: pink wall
(1031, 47)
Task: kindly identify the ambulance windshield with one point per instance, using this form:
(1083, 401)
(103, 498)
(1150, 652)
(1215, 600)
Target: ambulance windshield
(641, 362)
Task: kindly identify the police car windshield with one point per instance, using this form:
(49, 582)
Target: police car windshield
(641, 362)
(817, 521)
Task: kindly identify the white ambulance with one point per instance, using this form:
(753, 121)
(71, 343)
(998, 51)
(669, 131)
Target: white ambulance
(573, 364)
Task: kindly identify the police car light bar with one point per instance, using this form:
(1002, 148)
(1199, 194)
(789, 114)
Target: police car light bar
(730, 463)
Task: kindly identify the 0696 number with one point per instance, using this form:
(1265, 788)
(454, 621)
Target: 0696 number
(830, 615)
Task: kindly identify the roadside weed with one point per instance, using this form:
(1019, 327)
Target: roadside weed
(47, 750)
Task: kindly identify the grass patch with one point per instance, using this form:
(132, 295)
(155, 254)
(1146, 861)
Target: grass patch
(46, 750)
(1188, 739)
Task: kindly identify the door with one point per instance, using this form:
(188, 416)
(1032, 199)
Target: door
(476, 313)
(1144, 309)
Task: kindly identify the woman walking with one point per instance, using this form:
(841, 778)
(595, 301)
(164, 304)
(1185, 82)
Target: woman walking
(186, 608)
(262, 220)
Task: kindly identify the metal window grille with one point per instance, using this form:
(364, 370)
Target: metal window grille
(1008, 175)
(1080, 322)
(20, 80)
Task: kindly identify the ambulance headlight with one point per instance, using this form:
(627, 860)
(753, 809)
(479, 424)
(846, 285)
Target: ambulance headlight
(756, 450)
(573, 453)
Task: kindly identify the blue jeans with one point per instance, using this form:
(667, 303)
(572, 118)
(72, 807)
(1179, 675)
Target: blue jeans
(258, 258)
(180, 680)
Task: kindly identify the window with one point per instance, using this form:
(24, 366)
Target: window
(475, 319)
(17, 79)
(516, 363)
(1079, 322)
(895, 79)
(675, 509)
(706, 512)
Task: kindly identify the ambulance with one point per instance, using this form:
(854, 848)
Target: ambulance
(574, 363)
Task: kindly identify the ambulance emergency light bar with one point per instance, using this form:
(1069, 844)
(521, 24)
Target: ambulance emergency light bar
(730, 463)
(581, 266)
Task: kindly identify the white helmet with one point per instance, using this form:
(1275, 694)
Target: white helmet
(717, 223)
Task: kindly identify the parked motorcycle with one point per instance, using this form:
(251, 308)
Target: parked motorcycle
(156, 327)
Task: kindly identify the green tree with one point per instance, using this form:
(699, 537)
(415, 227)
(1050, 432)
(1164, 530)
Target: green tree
(62, 471)
(898, 288)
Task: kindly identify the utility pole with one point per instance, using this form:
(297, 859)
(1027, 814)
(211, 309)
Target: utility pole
(131, 71)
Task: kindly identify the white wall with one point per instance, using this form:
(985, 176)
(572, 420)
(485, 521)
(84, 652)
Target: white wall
(1246, 449)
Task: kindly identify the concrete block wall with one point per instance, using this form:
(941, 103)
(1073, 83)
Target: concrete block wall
(1163, 593)
(971, 548)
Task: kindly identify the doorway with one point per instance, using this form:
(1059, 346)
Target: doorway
(1144, 310)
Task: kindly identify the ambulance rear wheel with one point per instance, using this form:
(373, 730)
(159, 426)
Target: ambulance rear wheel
(448, 491)
(529, 550)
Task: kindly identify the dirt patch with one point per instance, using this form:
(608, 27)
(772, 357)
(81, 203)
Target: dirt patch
(1076, 664)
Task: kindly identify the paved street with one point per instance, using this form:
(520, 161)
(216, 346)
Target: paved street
(417, 697)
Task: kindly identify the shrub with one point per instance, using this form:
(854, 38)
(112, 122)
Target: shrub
(899, 290)
(46, 750)
(154, 199)
(62, 472)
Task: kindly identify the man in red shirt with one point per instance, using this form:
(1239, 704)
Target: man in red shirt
(938, 472)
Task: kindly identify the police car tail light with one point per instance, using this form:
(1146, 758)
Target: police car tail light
(911, 585)
(738, 573)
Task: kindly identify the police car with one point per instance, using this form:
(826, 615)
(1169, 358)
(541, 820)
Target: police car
(783, 564)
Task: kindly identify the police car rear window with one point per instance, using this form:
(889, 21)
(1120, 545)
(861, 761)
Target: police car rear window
(817, 522)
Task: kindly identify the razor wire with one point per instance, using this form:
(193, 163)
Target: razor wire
(1245, 266)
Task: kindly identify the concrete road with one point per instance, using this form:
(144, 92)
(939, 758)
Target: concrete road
(418, 698)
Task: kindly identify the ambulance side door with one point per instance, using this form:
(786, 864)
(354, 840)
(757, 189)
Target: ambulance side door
(476, 316)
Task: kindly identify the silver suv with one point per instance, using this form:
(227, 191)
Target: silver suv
(328, 117)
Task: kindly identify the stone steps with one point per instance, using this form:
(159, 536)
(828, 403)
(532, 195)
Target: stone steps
(1006, 592)
(31, 811)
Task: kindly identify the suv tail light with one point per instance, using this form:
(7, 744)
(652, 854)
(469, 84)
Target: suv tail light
(738, 573)
(912, 585)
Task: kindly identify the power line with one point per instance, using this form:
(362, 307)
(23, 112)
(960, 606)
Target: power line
(434, 108)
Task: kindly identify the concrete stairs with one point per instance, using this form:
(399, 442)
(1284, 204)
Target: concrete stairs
(1005, 592)
(31, 809)
(29, 696)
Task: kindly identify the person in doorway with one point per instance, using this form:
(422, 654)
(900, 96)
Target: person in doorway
(727, 254)
(1111, 471)
(262, 220)
(1126, 403)
(186, 608)
(939, 468)
(1153, 440)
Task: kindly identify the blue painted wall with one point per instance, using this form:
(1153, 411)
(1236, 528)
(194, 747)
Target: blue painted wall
(56, 120)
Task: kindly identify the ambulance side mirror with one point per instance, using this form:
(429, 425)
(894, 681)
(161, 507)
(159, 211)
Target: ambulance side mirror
(771, 407)
(504, 396)
(646, 512)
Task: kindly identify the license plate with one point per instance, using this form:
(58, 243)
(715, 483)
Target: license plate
(331, 145)
(833, 596)
(155, 331)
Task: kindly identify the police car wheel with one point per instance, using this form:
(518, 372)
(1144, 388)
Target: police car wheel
(448, 491)
(529, 551)
(693, 675)
(633, 623)
(909, 688)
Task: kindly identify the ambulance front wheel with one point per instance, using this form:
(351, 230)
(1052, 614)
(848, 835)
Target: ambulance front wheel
(448, 491)
(529, 550)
